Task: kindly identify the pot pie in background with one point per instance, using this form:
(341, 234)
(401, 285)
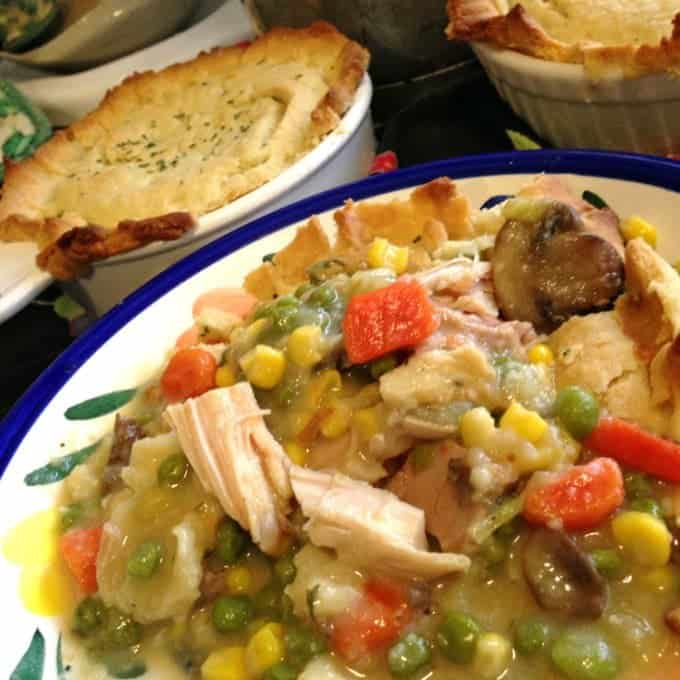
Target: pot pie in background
(599, 74)
(610, 37)
(166, 146)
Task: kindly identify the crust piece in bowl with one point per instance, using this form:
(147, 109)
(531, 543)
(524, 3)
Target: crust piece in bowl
(190, 138)
(629, 38)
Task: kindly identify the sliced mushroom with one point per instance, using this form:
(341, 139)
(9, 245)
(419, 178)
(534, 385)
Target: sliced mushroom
(672, 619)
(561, 576)
(556, 266)
(126, 431)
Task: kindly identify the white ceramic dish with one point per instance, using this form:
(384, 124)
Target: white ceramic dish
(127, 346)
(343, 156)
(20, 279)
(109, 30)
(569, 110)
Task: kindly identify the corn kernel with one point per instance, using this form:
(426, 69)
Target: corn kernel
(367, 422)
(304, 346)
(264, 366)
(541, 354)
(239, 580)
(369, 395)
(265, 649)
(295, 452)
(336, 423)
(644, 537)
(492, 656)
(322, 384)
(661, 579)
(527, 424)
(477, 427)
(637, 227)
(225, 376)
(228, 663)
(381, 253)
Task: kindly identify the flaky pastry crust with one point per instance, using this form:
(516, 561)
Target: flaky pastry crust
(429, 215)
(481, 21)
(190, 138)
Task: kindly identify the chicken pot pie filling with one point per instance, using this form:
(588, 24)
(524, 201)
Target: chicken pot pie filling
(432, 446)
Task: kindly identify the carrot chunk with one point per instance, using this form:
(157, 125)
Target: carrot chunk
(79, 549)
(381, 321)
(582, 497)
(632, 446)
(190, 373)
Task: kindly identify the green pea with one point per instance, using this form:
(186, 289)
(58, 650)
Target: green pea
(231, 541)
(508, 531)
(145, 560)
(268, 602)
(303, 289)
(457, 637)
(173, 470)
(323, 296)
(122, 630)
(422, 456)
(530, 636)
(89, 616)
(232, 614)
(125, 666)
(71, 515)
(285, 569)
(408, 655)
(281, 671)
(302, 644)
(649, 505)
(608, 562)
(382, 365)
(494, 550)
(578, 410)
(582, 655)
(637, 485)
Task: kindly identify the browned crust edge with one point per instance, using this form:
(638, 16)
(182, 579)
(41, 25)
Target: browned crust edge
(71, 255)
(480, 21)
(353, 62)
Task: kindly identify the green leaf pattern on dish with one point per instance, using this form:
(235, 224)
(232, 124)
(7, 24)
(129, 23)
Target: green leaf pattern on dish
(101, 405)
(60, 468)
(32, 663)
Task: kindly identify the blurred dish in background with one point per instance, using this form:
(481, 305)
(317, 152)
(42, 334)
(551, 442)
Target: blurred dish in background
(596, 91)
(405, 37)
(65, 98)
(85, 33)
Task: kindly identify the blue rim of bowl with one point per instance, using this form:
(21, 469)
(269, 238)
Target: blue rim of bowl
(649, 170)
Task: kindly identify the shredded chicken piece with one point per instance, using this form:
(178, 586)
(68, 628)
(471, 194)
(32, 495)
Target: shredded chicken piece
(369, 527)
(442, 493)
(459, 328)
(224, 436)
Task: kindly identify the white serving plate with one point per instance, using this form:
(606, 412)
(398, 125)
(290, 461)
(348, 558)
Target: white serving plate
(127, 346)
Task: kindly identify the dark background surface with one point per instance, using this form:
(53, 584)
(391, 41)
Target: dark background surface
(455, 112)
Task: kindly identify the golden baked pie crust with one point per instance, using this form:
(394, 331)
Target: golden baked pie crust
(480, 20)
(190, 138)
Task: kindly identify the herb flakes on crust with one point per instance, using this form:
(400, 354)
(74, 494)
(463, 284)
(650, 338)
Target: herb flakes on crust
(190, 138)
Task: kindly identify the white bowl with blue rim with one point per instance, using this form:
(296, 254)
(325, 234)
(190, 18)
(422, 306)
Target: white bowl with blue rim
(127, 346)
